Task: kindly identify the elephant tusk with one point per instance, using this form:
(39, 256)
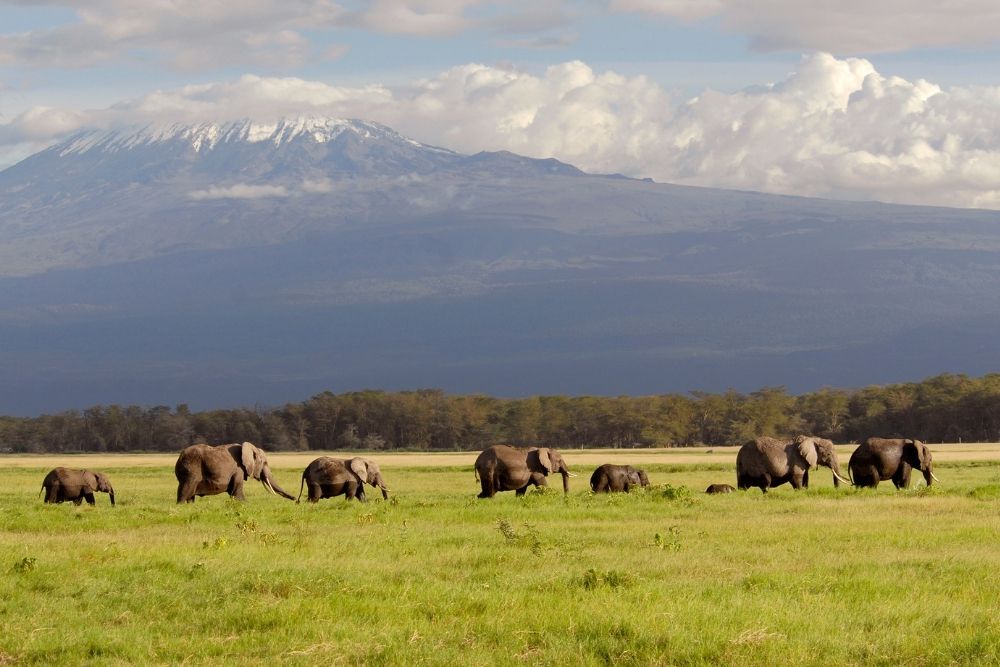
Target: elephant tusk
(845, 481)
(934, 477)
(267, 485)
(572, 474)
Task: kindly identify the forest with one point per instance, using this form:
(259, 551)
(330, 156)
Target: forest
(944, 408)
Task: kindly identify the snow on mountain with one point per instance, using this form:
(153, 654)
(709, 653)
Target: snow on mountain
(208, 136)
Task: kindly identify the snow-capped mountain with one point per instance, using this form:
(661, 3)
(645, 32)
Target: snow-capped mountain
(205, 137)
(258, 262)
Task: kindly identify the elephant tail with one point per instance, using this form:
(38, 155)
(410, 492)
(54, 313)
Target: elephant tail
(301, 485)
(477, 473)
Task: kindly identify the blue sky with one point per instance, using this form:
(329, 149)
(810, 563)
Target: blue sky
(869, 100)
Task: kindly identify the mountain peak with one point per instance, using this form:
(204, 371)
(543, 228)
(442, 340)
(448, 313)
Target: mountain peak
(206, 136)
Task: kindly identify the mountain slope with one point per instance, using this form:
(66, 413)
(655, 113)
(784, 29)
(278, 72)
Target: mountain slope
(249, 262)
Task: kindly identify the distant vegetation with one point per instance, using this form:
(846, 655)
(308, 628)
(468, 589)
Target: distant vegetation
(945, 408)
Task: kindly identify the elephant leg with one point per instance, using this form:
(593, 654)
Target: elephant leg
(78, 500)
(89, 497)
(521, 491)
(765, 483)
(236, 489)
(866, 478)
(186, 490)
(805, 480)
(486, 482)
(902, 477)
(52, 494)
(315, 492)
(797, 480)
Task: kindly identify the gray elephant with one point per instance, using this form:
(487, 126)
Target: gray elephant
(610, 477)
(203, 470)
(327, 477)
(769, 462)
(878, 459)
(503, 468)
(62, 484)
(719, 488)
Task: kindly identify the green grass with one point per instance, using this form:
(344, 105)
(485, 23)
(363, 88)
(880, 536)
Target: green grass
(435, 576)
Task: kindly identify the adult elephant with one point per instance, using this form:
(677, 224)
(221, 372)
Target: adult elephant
(327, 477)
(768, 462)
(62, 484)
(203, 470)
(610, 477)
(878, 459)
(503, 468)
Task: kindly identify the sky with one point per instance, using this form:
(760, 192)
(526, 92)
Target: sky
(852, 99)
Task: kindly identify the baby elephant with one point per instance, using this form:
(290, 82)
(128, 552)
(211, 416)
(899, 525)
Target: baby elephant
(720, 488)
(610, 477)
(327, 477)
(62, 484)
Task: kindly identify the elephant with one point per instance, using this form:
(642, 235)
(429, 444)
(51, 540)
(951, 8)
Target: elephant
(327, 477)
(768, 462)
(720, 488)
(610, 477)
(62, 484)
(878, 459)
(203, 470)
(503, 468)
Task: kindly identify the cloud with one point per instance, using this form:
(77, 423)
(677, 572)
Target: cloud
(845, 26)
(317, 186)
(188, 34)
(240, 191)
(199, 35)
(833, 127)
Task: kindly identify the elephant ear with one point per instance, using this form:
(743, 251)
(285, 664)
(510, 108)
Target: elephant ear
(807, 448)
(543, 458)
(359, 467)
(249, 460)
(921, 451)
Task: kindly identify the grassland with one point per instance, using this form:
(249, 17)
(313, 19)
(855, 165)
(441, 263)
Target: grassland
(435, 576)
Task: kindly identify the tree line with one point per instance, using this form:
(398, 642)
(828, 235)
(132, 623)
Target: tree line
(945, 408)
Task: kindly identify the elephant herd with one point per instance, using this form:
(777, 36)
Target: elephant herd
(765, 462)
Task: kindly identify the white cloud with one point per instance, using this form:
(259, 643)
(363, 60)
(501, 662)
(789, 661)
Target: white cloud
(317, 186)
(833, 127)
(844, 26)
(199, 34)
(240, 191)
(190, 34)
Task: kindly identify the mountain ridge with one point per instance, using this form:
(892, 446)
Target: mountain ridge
(263, 271)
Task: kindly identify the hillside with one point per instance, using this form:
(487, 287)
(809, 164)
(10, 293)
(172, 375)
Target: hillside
(243, 263)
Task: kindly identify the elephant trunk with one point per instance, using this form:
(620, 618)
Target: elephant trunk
(929, 475)
(565, 475)
(111, 492)
(380, 485)
(270, 484)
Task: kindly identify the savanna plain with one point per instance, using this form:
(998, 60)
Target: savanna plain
(665, 575)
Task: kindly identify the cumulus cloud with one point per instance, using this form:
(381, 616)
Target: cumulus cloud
(240, 191)
(845, 26)
(833, 127)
